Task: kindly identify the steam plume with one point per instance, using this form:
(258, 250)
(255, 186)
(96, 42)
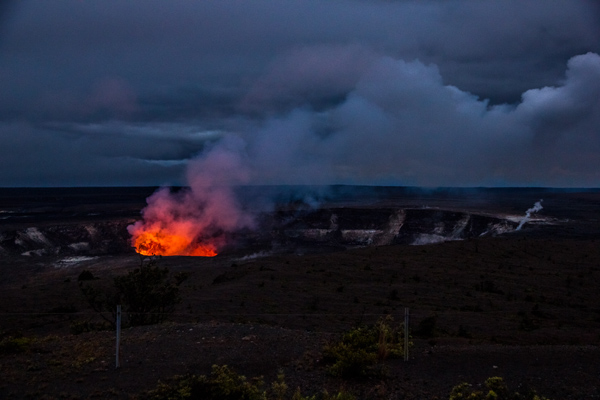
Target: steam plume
(536, 207)
(195, 221)
(395, 117)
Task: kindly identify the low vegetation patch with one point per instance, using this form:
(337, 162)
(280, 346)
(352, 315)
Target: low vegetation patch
(224, 383)
(15, 345)
(361, 351)
(147, 295)
(496, 389)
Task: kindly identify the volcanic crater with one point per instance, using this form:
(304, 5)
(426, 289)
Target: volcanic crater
(72, 229)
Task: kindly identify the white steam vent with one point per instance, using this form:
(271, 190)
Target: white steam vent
(536, 207)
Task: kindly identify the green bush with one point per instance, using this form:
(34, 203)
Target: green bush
(279, 388)
(496, 390)
(12, 345)
(146, 294)
(78, 327)
(361, 350)
(298, 396)
(342, 395)
(349, 361)
(222, 384)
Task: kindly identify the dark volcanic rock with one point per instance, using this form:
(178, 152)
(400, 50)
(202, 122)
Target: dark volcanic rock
(384, 226)
(93, 238)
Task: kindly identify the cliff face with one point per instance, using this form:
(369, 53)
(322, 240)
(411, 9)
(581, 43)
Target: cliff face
(89, 238)
(349, 227)
(317, 230)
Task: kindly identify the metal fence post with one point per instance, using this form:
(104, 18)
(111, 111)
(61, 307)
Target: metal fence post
(406, 334)
(118, 334)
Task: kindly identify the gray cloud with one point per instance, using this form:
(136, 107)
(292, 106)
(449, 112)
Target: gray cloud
(402, 124)
(98, 154)
(363, 91)
(308, 75)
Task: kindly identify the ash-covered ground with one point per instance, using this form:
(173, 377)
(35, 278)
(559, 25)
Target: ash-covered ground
(522, 304)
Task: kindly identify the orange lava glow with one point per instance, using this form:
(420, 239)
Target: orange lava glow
(160, 243)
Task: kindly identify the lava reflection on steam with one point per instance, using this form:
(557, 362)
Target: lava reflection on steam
(154, 243)
(174, 224)
(196, 220)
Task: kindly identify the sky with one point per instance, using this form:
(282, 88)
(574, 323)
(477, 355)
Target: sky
(372, 92)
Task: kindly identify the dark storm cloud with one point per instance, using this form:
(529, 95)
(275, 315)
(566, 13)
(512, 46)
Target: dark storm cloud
(40, 157)
(360, 91)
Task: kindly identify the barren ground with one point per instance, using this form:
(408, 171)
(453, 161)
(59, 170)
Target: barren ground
(524, 306)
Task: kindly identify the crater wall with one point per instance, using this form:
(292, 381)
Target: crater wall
(321, 229)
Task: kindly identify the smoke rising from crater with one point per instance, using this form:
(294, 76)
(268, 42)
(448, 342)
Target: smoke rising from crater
(536, 207)
(400, 124)
(195, 220)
